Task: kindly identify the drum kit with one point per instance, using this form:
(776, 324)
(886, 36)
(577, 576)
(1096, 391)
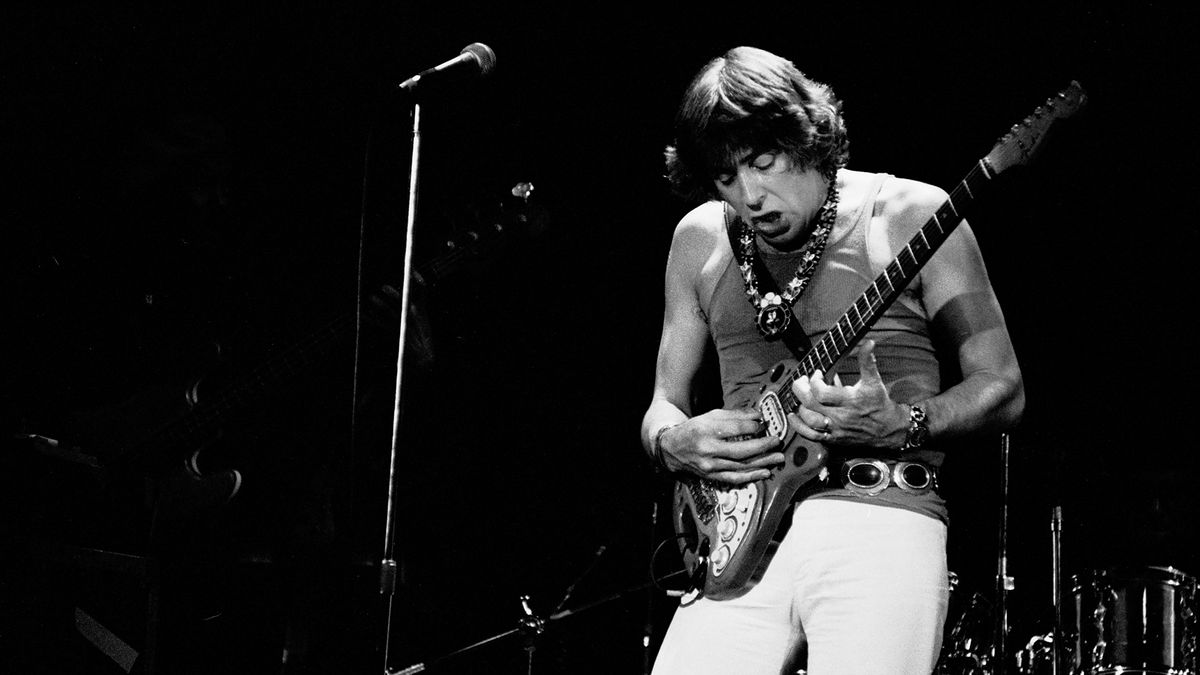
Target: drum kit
(1122, 620)
(1126, 620)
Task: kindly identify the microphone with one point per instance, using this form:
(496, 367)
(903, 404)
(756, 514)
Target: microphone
(476, 55)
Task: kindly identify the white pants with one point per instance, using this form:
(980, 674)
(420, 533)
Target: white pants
(865, 586)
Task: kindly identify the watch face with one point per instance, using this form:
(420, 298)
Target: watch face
(917, 431)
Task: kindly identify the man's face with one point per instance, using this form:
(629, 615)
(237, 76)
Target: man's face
(777, 198)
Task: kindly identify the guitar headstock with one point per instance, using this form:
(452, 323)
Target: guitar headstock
(1019, 145)
(515, 215)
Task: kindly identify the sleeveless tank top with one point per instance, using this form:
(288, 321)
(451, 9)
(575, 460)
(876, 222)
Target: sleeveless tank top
(904, 348)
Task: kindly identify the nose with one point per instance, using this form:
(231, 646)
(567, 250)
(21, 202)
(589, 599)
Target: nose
(750, 189)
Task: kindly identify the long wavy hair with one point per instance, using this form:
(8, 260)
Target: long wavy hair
(752, 100)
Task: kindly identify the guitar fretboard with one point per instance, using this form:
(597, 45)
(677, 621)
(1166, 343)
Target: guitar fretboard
(848, 330)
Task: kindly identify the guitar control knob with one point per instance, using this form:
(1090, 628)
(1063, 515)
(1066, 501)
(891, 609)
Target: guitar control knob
(720, 557)
(729, 500)
(728, 528)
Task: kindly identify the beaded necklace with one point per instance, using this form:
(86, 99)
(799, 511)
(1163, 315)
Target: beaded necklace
(774, 310)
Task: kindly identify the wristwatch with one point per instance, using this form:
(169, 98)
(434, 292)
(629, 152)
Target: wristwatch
(918, 430)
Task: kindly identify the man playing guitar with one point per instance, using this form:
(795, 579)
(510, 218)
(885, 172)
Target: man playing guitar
(785, 240)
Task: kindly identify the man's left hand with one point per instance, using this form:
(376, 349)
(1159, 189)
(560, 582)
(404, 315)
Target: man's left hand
(862, 414)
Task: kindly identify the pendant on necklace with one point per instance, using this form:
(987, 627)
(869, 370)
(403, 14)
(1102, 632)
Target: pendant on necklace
(773, 316)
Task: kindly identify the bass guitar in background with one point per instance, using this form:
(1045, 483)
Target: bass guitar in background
(175, 428)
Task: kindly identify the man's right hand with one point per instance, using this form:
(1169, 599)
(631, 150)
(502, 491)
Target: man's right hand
(708, 446)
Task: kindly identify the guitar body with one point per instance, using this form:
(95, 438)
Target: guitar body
(724, 531)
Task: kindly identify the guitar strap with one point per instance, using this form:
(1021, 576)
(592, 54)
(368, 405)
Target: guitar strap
(793, 336)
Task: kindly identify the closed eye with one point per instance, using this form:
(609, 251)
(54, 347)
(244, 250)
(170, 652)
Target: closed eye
(764, 161)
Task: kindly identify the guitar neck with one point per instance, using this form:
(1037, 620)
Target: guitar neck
(849, 330)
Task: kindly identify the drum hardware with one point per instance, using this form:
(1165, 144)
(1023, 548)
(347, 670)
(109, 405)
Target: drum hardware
(1038, 656)
(1042, 655)
(1135, 620)
(1004, 582)
(967, 648)
(976, 643)
(1055, 638)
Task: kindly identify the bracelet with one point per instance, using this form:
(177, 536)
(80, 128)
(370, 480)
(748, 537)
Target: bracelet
(656, 449)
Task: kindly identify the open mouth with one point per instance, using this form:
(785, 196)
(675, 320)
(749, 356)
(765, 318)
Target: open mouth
(768, 224)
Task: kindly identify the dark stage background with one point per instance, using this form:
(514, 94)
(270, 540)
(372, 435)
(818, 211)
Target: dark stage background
(179, 175)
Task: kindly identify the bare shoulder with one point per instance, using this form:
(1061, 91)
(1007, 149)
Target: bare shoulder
(909, 203)
(901, 207)
(699, 235)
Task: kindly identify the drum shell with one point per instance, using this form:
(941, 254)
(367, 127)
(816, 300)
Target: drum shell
(1135, 620)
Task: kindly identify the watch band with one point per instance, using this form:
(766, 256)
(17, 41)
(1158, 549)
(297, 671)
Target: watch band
(918, 427)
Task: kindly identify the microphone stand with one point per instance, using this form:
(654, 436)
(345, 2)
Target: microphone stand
(388, 567)
(1004, 583)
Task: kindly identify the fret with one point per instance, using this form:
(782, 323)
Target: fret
(862, 310)
(983, 169)
(809, 366)
(949, 215)
(841, 334)
(870, 297)
(906, 269)
(832, 352)
(887, 281)
(919, 247)
(788, 399)
(823, 353)
(856, 321)
(934, 227)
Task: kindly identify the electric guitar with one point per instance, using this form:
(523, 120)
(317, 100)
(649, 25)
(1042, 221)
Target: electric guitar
(723, 531)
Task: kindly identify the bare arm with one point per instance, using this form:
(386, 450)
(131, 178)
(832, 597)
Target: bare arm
(960, 302)
(697, 444)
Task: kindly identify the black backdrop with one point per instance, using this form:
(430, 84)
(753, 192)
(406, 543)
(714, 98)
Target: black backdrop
(519, 458)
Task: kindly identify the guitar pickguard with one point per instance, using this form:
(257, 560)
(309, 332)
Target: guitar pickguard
(724, 513)
(735, 509)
